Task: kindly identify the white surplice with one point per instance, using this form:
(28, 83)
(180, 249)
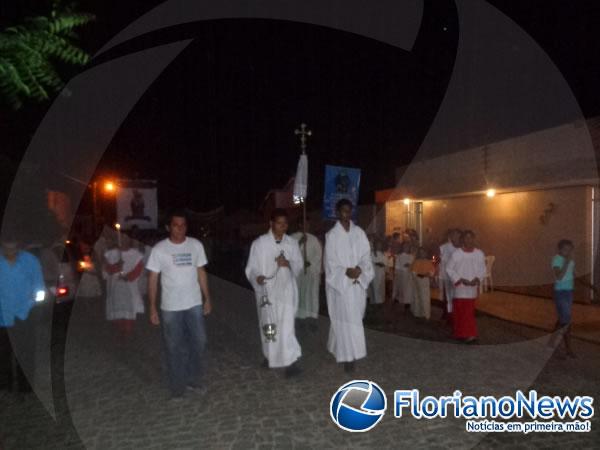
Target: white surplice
(346, 299)
(466, 264)
(403, 279)
(377, 288)
(309, 281)
(282, 292)
(123, 298)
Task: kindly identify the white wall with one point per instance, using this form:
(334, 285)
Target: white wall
(509, 227)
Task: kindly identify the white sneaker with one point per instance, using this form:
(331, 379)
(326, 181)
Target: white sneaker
(200, 390)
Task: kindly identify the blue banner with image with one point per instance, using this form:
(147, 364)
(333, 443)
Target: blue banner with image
(340, 182)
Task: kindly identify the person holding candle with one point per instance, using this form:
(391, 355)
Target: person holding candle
(123, 266)
(423, 270)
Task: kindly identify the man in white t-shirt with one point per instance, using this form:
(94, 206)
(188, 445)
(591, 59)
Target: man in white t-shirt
(180, 261)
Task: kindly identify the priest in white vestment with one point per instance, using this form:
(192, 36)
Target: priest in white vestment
(273, 265)
(348, 273)
(309, 279)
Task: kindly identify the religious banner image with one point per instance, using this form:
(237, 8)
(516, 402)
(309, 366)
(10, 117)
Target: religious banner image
(340, 182)
(137, 204)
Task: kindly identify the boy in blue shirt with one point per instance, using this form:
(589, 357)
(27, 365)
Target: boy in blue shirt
(564, 279)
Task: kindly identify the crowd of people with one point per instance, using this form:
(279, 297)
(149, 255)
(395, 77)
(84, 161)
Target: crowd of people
(410, 271)
(285, 272)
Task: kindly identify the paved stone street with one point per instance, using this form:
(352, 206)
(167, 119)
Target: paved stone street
(113, 394)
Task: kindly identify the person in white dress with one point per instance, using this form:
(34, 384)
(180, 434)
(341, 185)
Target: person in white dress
(123, 267)
(273, 265)
(146, 250)
(348, 273)
(309, 279)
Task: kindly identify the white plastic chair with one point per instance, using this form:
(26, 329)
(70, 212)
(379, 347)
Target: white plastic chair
(488, 281)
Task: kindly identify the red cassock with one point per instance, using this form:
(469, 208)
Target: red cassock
(463, 318)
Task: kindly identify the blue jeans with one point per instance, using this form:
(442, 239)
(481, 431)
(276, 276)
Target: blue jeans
(564, 302)
(185, 340)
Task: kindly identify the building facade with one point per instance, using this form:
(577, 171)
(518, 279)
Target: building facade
(520, 196)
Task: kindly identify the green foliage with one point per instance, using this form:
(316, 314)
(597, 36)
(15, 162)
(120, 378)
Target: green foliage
(30, 51)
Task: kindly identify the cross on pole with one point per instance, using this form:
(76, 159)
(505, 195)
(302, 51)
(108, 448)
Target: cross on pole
(304, 134)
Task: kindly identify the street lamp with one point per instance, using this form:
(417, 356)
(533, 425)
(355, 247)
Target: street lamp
(109, 187)
(491, 193)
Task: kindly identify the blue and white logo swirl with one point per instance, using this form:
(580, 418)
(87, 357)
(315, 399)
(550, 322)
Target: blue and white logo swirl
(358, 406)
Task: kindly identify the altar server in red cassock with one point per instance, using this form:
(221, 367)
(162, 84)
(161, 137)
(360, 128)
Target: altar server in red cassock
(466, 269)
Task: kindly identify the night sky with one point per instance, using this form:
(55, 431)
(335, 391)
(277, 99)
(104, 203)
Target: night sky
(221, 118)
(217, 127)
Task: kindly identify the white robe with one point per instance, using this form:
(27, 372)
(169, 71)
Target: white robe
(468, 265)
(377, 287)
(143, 280)
(309, 282)
(282, 292)
(403, 279)
(446, 284)
(123, 298)
(421, 306)
(346, 300)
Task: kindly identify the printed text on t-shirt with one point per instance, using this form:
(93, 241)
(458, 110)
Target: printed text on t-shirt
(182, 259)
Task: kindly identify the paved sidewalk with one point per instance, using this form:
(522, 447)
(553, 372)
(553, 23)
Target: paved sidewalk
(537, 312)
(115, 397)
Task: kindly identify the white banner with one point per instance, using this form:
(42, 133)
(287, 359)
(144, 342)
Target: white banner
(137, 204)
(301, 180)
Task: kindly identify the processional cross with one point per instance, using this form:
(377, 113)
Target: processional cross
(304, 134)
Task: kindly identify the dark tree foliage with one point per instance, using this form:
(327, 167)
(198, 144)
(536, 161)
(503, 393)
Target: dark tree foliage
(31, 51)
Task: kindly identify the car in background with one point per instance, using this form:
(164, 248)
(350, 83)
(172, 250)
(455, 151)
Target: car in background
(59, 267)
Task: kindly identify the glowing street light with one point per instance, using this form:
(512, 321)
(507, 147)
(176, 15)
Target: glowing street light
(491, 193)
(109, 187)
(407, 201)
